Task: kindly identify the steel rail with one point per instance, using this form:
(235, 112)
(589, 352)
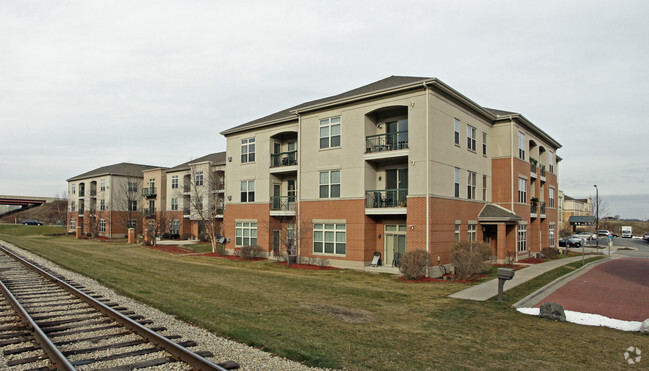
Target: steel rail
(178, 352)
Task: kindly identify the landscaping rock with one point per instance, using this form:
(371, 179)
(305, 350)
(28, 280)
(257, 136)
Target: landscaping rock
(644, 327)
(552, 311)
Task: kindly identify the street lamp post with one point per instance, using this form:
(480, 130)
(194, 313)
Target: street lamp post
(597, 217)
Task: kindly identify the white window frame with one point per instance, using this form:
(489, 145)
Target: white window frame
(522, 238)
(471, 135)
(521, 146)
(131, 223)
(73, 224)
(174, 181)
(484, 187)
(102, 186)
(174, 204)
(247, 150)
(102, 205)
(132, 205)
(456, 183)
(551, 162)
(245, 234)
(484, 144)
(198, 178)
(456, 139)
(73, 188)
(247, 191)
(472, 233)
(551, 201)
(551, 235)
(470, 185)
(457, 232)
(330, 182)
(522, 190)
(102, 225)
(330, 130)
(174, 226)
(322, 241)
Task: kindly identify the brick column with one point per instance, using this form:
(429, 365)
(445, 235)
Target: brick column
(501, 242)
(79, 232)
(131, 235)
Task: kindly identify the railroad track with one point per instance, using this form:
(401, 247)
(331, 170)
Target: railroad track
(48, 323)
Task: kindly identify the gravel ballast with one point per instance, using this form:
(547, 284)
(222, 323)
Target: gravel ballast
(223, 349)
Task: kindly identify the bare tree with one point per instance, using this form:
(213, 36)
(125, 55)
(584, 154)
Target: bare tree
(126, 202)
(61, 208)
(205, 204)
(285, 234)
(156, 225)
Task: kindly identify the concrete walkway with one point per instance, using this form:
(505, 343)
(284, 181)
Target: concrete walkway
(489, 289)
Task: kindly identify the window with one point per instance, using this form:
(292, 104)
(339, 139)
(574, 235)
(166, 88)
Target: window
(329, 239)
(521, 146)
(470, 188)
(73, 224)
(330, 132)
(102, 186)
(73, 188)
(457, 182)
(102, 205)
(484, 187)
(484, 144)
(551, 162)
(330, 184)
(551, 198)
(248, 150)
(174, 182)
(73, 206)
(457, 233)
(132, 205)
(248, 191)
(174, 226)
(522, 190)
(131, 223)
(457, 132)
(245, 234)
(551, 235)
(470, 137)
(174, 204)
(152, 183)
(522, 237)
(132, 186)
(102, 225)
(198, 179)
(471, 233)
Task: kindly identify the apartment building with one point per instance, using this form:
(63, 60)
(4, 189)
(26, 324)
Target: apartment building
(107, 201)
(195, 192)
(402, 163)
(576, 212)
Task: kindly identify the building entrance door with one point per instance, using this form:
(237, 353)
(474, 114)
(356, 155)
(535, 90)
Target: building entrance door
(395, 243)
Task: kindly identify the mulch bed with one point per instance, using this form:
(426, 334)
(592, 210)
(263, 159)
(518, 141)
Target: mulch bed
(515, 267)
(449, 278)
(305, 266)
(532, 261)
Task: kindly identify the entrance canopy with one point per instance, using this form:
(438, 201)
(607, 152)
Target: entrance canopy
(495, 214)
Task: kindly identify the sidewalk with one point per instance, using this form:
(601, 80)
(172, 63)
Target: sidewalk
(489, 289)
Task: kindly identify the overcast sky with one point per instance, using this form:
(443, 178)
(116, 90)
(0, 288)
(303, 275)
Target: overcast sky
(85, 84)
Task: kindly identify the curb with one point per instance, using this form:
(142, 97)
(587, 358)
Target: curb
(534, 298)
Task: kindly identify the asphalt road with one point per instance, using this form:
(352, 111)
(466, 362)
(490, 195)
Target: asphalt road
(627, 247)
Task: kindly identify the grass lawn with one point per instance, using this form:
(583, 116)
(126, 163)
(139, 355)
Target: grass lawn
(338, 318)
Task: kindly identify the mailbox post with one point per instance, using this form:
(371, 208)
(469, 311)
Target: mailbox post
(504, 274)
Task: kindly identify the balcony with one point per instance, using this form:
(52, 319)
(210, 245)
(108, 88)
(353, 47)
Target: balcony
(534, 209)
(186, 212)
(282, 205)
(149, 192)
(542, 209)
(82, 193)
(149, 213)
(386, 201)
(93, 193)
(219, 187)
(283, 162)
(542, 172)
(386, 146)
(80, 212)
(187, 188)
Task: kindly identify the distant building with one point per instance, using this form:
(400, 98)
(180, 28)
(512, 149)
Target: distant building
(575, 212)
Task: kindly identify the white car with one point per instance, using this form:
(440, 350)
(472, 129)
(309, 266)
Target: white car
(587, 235)
(603, 232)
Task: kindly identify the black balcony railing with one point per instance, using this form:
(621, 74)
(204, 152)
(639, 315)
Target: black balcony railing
(82, 193)
(542, 170)
(283, 159)
(386, 198)
(542, 208)
(149, 192)
(186, 211)
(386, 142)
(533, 208)
(187, 188)
(282, 203)
(533, 164)
(148, 213)
(93, 193)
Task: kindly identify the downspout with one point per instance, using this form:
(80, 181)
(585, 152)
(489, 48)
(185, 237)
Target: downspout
(427, 180)
(110, 210)
(511, 168)
(298, 231)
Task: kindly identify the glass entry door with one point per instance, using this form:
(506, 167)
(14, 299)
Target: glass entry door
(395, 243)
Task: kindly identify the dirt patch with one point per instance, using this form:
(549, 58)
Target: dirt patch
(349, 315)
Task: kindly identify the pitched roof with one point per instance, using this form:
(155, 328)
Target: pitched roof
(497, 214)
(121, 169)
(290, 113)
(218, 158)
(577, 219)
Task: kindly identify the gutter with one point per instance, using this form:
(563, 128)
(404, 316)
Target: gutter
(427, 178)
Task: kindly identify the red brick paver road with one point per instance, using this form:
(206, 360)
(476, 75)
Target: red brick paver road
(616, 289)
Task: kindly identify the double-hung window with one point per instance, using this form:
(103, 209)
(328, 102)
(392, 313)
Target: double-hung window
(471, 133)
(522, 237)
(551, 162)
(102, 186)
(329, 239)
(551, 235)
(248, 150)
(330, 184)
(73, 224)
(471, 233)
(73, 188)
(457, 132)
(330, 132)
(198, 179)
(484, 187)
(174, 204)
(102, 225)
(174, 181)
(132, 205)
(470, 189)
(484, 144)
(248, 191)
(522, 190)
(102, 205)
(457, 182)
(457, 233)
(174, 226)
(521, 146)
(245, 234)
(551, 198)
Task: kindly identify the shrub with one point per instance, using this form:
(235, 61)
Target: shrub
(204, 237)
(186, 235)
(323, 262)
(166, 236)
(309, 260)
(250, 252)
(469, 258)
(413, 263)
(550, 252)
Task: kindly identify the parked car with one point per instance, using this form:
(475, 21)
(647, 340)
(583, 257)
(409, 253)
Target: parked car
(32, 222)
(646, 237)
(587, 235)
(603, 232)
(575, 241)
(615, 234)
